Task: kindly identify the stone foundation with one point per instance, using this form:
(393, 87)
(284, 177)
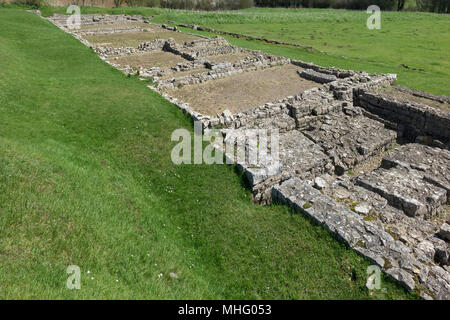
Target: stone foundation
(372, 169)
(413, 120)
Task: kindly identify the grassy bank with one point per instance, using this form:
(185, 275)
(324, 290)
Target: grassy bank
(86, 179)
(414, 45)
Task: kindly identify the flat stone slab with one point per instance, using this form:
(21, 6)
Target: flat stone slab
(406, 190)
(281, 121)
(373, 207)
(302, 157)
(349, 140)
(319, 77)
(431, 162)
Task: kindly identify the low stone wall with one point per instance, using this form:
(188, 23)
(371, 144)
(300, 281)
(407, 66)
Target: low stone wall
(412, 119)
(157, 72)
(105, 52)
(424, 94)
(339, 73)
(319, 77)
(412, 268)
(249, 64)
(200, 53)
(207, 42)
(93, 19)
(83, 32)
(196, 78)
(169, 28)
(157, 44)
(243, 36)
(201, 48)
(345, 89)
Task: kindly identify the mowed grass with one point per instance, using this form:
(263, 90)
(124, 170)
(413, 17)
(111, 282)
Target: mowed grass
(414, 45)
(86, 179)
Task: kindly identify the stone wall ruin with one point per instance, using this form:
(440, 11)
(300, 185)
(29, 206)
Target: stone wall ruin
(372, 168)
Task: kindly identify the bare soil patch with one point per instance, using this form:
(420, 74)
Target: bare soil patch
(160, 59)
(244, 91)
(119, 25)
(405, 97)
(132, 39)
(184, 73)
(232, 58)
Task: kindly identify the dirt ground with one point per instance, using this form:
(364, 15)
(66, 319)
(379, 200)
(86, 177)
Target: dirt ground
(184, 73)
(244, 91)
(160, 59)
(403, 96)
(117, 26)
(232, 58)
(132, 39)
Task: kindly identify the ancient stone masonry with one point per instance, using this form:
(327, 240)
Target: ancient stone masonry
(110, 31)
(99, 19)
(317, 76)
(414, 268)
(220, 70)
(412, 120)
(368, 160)
(424, 94)
(105, 52)
(152, 45)
(201, 48)
(338, 73)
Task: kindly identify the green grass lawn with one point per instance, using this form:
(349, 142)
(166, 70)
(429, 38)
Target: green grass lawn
(340, 38)
(86, 179)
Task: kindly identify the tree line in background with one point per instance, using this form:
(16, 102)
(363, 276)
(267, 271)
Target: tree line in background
(208, 5)
(442, 6)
